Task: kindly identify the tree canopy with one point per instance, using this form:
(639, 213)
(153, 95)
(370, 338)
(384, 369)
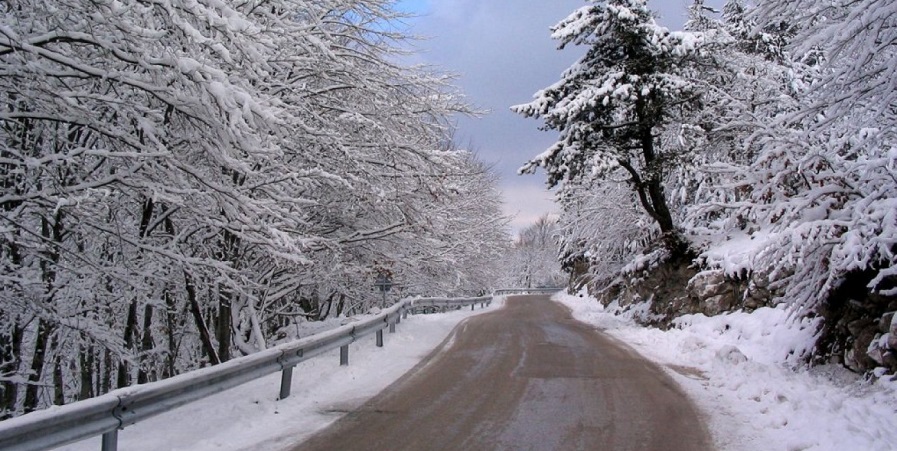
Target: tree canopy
(612, 104)
(183, 181)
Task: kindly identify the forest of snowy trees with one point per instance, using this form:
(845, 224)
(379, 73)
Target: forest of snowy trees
(181, 181)
(756, 147)
(531, 261)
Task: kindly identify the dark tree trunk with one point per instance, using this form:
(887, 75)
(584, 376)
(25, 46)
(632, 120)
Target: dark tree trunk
(650, 185)
(653, 173)
(32, 390)
(204, 335)
(171, 319)
(146, 346)
(11, 358)
(105, 381)
(51, 231)
(223, 326)
(87, 368)
(229, 251)
(124, 377)
(146, 340)
(58, 383)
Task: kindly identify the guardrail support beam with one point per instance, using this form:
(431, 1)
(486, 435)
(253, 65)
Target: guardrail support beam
(110, 441)
(380, 338)
(286, 382)
(344, 355)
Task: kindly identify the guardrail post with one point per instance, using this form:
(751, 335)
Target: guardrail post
(473, 306)
(392, 327)
(110, 441)
(344, 355)
(286, 381)
(380, 338)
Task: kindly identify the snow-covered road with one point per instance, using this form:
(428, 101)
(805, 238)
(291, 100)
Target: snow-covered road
(528, 377)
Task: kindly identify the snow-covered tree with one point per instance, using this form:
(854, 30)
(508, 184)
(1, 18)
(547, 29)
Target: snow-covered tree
(611, 105)
(746, 84)
(532, 260)
(601, 228)
(179, 180)
(820, 188)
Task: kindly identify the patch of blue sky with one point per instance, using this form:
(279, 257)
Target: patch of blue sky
(416, 7)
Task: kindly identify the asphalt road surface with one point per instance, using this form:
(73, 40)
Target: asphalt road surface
(525, 377)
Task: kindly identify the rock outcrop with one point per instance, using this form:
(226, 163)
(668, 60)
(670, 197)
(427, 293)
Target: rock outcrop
(859, 327)
(675, 289)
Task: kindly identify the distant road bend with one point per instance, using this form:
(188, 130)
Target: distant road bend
(525, 377)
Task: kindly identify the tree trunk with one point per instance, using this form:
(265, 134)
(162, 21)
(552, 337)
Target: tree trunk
(224, 325)
(229, 247)
(105, 381)
(171, 318)
(52, 232)
(11, 358)
(32, 390)
(204, 335)
(146, 347)
(87, 367)
(651, 190)
(653, 176)
(124, 378)
(58, 383)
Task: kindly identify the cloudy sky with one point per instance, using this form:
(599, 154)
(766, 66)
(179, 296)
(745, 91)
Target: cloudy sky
(503, 54)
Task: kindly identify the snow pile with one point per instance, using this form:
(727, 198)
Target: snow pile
(250, 417)
(744, 372)
(736, 252)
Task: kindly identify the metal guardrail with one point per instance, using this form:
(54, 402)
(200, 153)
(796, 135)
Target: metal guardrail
(105, 415)
(541, 290)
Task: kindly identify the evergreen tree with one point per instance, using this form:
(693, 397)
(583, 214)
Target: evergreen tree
(611, 105)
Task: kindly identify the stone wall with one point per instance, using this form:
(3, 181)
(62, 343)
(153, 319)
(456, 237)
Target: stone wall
(677, 288)
(859, 328)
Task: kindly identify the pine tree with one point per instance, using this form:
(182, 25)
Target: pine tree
(611, 105)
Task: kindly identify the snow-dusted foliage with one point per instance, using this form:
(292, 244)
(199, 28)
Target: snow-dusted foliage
(532, 260)
(181, 180)
(818, 189)
(601, 229)
(610, 106)
(771, 126)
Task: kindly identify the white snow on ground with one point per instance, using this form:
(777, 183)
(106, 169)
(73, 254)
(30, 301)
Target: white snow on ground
(743, 370)
(249, 417)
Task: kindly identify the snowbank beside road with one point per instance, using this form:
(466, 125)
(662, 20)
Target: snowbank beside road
(249, 417)
(744, 372)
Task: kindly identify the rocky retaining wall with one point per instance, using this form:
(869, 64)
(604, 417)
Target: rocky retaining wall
(859, 329)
